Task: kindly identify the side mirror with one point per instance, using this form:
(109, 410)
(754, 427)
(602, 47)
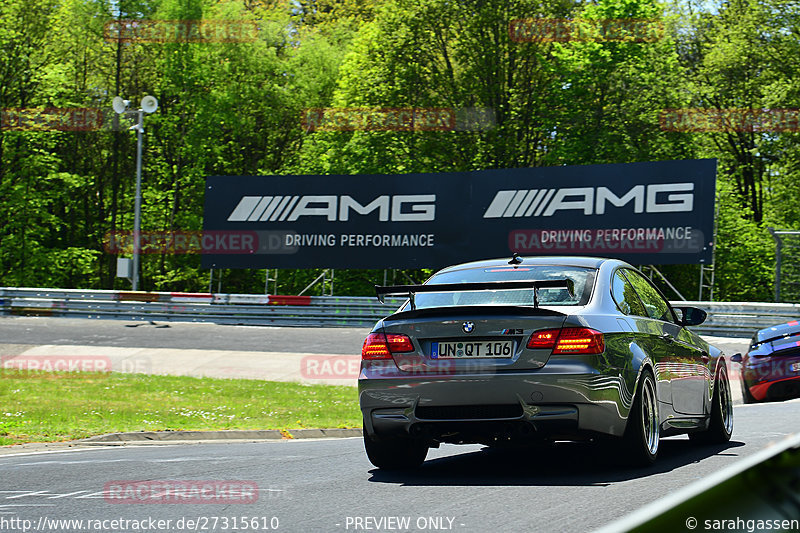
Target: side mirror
(691, 316)
(736, 358)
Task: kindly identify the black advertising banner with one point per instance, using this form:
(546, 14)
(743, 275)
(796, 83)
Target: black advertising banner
(365, 221)
(644, 213)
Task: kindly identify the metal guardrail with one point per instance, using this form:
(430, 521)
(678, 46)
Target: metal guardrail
(742, 319)
(739, 319)
(245, 309)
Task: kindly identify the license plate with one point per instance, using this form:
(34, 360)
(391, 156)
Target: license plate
(795, 367)
(472, 349)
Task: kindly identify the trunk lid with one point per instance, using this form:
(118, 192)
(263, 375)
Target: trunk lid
(472, 339)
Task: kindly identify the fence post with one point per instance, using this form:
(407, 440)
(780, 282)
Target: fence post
(778, 251)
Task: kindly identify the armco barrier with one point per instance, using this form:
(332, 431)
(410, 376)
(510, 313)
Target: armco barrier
(742, 319)
(246, 309)
(739, 319)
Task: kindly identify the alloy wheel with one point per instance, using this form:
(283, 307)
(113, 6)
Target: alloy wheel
(650, 428)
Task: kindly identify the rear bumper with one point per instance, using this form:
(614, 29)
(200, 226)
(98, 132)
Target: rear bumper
(565, 398)
(778, 390)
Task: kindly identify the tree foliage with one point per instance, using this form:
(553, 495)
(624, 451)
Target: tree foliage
(234, 108)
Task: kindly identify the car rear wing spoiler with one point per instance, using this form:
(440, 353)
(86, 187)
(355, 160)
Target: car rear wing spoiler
(779, 337)
(410, 290)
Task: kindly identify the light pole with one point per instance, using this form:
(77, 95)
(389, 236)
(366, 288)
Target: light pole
(148, 105)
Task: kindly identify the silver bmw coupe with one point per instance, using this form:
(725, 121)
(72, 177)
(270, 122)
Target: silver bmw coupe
(534, 350)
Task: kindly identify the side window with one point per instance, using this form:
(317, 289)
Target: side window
(654, 303)
(623, 293)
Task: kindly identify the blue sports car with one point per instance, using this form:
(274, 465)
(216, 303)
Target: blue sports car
(771, 368)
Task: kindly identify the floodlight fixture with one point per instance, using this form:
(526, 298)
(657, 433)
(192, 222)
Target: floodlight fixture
(119, 105)
(148, 104)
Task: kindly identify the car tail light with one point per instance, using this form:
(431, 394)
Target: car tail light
(545, 338)
(580, 340)
(382, 346)
(568, 340)
(399, 343)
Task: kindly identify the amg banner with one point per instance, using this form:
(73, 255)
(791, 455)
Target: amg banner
(645, 213)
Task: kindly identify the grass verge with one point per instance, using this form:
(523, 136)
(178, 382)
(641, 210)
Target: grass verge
(40, 406)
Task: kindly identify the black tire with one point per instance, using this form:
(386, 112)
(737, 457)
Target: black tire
(398, 453)
(746, 396)
(643, 431)
(720, 426)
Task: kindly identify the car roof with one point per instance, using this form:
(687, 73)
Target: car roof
(572, 261)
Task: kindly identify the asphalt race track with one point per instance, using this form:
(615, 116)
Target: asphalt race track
(325, 485)
(328, 484)
(180, 335)
(26, 331)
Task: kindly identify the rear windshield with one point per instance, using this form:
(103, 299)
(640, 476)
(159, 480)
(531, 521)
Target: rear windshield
(582, 279)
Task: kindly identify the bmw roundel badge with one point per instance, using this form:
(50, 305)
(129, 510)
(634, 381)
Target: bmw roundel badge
(468, 327)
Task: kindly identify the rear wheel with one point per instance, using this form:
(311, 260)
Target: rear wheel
(720, 426)
(641, 439)
(399, 453)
